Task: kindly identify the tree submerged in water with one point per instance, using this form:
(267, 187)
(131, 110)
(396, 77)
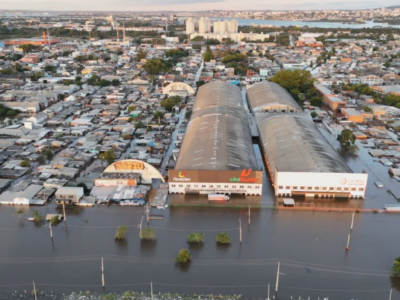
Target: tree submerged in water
(121, 232)
(396, 267)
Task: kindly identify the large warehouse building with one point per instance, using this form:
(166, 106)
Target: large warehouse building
(299, 159)
(217, 154)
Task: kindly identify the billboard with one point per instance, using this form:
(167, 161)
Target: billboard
(114, 182)
(239, 176)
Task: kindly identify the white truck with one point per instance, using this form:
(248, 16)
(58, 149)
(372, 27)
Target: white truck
(218, 197)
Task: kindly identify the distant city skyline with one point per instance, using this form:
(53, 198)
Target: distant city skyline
(190, 5)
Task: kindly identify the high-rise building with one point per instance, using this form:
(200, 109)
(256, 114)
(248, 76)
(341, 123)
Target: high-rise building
(204, 25)
(189, 26)
(223, 27)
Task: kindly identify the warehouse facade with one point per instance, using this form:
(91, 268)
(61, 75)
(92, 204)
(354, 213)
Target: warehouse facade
(299, 159)
(217, 154)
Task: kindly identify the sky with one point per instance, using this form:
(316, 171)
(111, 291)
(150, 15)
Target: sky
(191, 5)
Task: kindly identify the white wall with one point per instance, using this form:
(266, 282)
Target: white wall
(249, 189)
(320, 183)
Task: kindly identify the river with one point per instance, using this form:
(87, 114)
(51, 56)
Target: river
(279, 23)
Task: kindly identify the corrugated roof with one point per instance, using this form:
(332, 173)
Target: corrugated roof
(292, 143)
(218, 135)
(268, 94)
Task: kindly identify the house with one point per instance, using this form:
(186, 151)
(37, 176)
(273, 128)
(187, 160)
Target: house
(70, 195)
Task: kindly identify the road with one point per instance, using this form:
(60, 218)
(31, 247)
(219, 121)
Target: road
(198, 74)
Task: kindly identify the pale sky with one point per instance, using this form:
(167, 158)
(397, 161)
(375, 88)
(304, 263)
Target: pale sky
(182, 5)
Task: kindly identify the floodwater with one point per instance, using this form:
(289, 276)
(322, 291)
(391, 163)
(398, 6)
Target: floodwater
(279, 23)
(310, 246)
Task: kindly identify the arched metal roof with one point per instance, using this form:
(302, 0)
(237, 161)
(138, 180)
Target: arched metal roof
(269, 94)
(218, 135)
(175, 87)
(292, 143)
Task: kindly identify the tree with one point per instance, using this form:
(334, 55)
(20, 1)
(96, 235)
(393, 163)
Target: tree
(54, 220)
(131, 108)
(170, 102)
(188, 114)
(108, 156)
(141, 54)
(154, 66)
(223, 238)
(27, 48)
(84, 186)
(25, 163)
(396, 267)
(158, 115)
(121, 232)
(49, 68)
(195, 237)
(313, 114)
(148, 234)
(207, 56)
(19, 212)
(49, 154)
(297, 79)
(139, 124)
(367, 109)
(37, 218)
(346, 138)
(115, 82)
(183, 257)
(200, 83)
(41, 160)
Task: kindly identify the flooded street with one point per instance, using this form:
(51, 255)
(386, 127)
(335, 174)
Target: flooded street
(310, 246)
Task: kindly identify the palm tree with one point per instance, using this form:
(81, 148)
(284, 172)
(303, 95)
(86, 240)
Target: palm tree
(19, 213)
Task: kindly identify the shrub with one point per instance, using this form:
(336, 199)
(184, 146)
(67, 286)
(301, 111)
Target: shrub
(54, 220)
(396, 267)
(148, 234)
(357, 211)
(121, 232)
(183, 257)
(195, 237)
(223, 238)
(375, 211)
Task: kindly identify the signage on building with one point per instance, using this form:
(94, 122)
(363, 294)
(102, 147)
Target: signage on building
(344, 181)
(244, 177)
(129, 165)
(181, 177)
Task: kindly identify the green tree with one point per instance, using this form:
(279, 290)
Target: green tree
(49, 154)
(396, 267)
(148, 234)
(108, 156)
(139, 124)
(55, 220)
(367, 109)
(49, 68)
(195, 237)
(154, 66)
(200, 83)
(297, 79)
(19, 212)
(121, 232)
(207, 56)
(37, 218)
(170, 102)
(25, 163)
(188, 114)
(183, 257)
(141, 54)
(223, 238)
(115, 82)
(346, 138)
(158, 115)
(84, 186)
(41, 160)
(27, 48)
(313, 114)
(131, 108)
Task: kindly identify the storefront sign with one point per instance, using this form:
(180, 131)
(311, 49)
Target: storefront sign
(244, 177)
(181, 177)
(128, 165)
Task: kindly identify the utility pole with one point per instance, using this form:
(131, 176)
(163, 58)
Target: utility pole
(141, 224)
(240, 230)
(51, 231)
(147, 211)
(268, 292)
(65, 216)
(34, 290)
(151, 287)
(102, 273)
(390, 295)
(348, 242)
(249, 215)
(277, 280)
(352, 221)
